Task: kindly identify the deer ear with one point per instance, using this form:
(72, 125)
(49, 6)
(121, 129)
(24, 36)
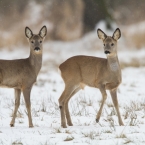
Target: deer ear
(28, 32)
(101, 34)
(116, 34)
(43, 32)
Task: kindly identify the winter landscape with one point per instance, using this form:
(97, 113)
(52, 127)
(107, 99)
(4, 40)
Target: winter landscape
(85, 104)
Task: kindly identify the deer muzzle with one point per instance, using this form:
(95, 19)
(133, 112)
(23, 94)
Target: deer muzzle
(36, 48)
(107, 52)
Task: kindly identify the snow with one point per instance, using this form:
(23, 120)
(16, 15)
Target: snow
(83, 106)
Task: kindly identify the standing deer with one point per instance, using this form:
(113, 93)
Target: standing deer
(101, 73)
(21, 74)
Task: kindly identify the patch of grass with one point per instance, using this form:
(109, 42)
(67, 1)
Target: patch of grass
(84, 124)
(69, 132)
(17, 142)
(69, 138)
(57, 130)
(92, 134)
(54, 107)
(111, 122)
(127, 141)
(136, 106)
(43, 106)
(133, 63)
(85, 100)
(108, 131)
(121, 136)
(133, 120)
(79, 109)
(132, 108)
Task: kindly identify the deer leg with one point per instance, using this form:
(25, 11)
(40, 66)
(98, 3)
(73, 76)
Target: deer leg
(69, 122)
(26, 93)
(17, 104)
(66, 93)
(115, 102)
(104, 97)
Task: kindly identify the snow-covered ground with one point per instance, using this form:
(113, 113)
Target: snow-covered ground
(83, 106)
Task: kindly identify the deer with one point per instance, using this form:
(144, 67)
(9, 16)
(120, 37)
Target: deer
(102, 73)
(21, 74)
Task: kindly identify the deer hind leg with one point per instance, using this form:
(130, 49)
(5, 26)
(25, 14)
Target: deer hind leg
(69, 122)
(26, 93)
(115, 102)
(65, 95)
(17, 104)
(104, 97)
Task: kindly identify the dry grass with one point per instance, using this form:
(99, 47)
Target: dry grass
(69, 131)
(69, 138)
(17, 142)
(57, 130)
(91, 135)
(79, 107)
(133, 63)
(121, 136)
(134, 35)
(127, 141)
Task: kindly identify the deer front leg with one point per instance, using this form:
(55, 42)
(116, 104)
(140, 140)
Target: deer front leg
(17, 104)
(26, 93)
(104, 97)
(115, 102)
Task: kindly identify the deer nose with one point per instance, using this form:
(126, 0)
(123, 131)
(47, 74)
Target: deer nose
(107, 52)
(37, 48)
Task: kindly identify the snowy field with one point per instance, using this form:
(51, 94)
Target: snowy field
(83, 106)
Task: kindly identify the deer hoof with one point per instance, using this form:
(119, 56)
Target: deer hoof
(11, 125)
(97, 120)
(64, 126)
(31, 126)
(121, 124)
(70, 124)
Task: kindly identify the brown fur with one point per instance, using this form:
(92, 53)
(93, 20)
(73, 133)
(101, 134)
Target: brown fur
(21, 74)
(101, 73)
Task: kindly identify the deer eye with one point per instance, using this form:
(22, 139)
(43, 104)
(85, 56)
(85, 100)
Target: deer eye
(104, 44)
(112, 44)
(32, 41)
(40, 41)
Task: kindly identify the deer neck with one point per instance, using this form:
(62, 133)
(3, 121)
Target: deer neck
(113, 63)
(35, 61)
